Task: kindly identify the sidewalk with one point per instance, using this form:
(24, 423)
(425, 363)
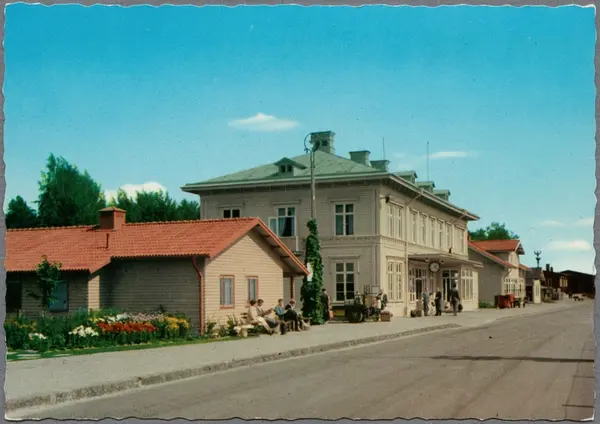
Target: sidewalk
(49, 381)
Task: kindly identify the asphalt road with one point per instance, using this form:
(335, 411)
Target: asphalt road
(531, 367)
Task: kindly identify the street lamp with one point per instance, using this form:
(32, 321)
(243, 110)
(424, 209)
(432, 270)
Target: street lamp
(311, 150)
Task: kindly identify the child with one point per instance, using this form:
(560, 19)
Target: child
(438, 304)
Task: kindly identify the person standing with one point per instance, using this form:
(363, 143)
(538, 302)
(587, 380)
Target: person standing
(438, 304)
(425, 302)
(326, 303)
(454, 298)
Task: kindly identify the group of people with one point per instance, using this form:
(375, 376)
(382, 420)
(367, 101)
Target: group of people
(453, 296)
(275, 317)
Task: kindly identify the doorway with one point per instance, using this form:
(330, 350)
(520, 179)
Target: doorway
(449, 278)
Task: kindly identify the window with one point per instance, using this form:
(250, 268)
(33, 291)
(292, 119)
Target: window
(449, 236)
(226, 297)
(284, 224)
(413, 222)
(14, 296)
(344, 220)
(440, 235)
(61, 295)
(423, 229)
(461, 240)
(399, 220)
(391, 221)
(417, 278)
(394, 277)
(394, 221)
(252, 288)
(432, 234)
(449, 278)
(231, 213)
(344, 281)
(466, 284)
(506, 286)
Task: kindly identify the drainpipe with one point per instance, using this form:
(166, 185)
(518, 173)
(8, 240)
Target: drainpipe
(201, 302)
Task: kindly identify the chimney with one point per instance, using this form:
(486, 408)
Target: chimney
(381, 165)
(323, 141)
(111, 218)
(552, 269)
(361, 156)
(547, 267)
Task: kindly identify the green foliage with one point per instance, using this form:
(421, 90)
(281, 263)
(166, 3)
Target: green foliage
(48, 278)
(67, 196)
(494, 231)
(154, 206)
(20, 214)
(485, 305)
(60, 332)
(310, 292)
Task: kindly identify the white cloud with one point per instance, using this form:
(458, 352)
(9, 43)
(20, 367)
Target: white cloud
(263, 123)
(450, 155)
(132, 189)
(583, 222)
(569, 246)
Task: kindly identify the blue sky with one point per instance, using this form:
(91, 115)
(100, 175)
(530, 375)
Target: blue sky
(172, 95)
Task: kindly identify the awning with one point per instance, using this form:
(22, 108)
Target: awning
(445, 259)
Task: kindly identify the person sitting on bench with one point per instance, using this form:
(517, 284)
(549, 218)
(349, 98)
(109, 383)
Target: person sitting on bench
(255, 319)
(265, 314)
(292, 315)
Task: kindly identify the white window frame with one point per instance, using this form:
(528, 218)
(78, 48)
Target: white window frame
(467, 282)
(461, 240)
(414, 226)
(231, 213)
(391, 231)
(348, 221)
(416, 273)
(277, 222)
(344, 272)
(423, 227)
(432, 232)
(449, 236)
(250, 282)
(395, 270)
(225, 292)
(441, 238)
(399, 222)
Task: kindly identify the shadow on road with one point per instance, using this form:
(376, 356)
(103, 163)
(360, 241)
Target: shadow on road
(510, 358)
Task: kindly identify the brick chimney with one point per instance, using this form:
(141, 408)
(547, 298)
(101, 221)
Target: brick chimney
(111, 218)
(547, 267)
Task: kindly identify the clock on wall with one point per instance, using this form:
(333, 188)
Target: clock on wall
(434, 266)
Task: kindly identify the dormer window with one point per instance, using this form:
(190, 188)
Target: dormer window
(289, 168)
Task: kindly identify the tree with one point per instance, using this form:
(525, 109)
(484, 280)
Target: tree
(67, 196)
(20, 215)
(123, 201)
(188, 210)
(310, 293)
(494, 231)
(48, 278)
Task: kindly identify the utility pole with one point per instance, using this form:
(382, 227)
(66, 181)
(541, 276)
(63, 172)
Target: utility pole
(428, 161)
(313, 188)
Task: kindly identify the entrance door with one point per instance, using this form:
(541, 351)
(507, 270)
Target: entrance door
(449, 277)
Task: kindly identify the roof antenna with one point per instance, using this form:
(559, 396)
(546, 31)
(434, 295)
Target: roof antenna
(383, 146)
(428, 161)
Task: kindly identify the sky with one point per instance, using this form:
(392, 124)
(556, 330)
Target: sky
(157, 97)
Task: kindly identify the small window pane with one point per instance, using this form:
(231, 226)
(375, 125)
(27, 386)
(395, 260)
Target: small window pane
(339, 225)
(349, 267)
(235, 213)
(349, 208)
(291, 211)
(227, 213)
(339, 208)
(281, 212)
(339, 278)
(349, 278)
(349, 225)
(339, 267)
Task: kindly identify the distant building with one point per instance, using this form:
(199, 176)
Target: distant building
(557, 281)
(580, 282)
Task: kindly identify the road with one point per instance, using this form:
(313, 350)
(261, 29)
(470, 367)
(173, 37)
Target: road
(532, 367)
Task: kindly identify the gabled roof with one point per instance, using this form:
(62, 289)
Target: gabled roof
(89, 248)
(500, 246)
(490, 256)
(524, 267)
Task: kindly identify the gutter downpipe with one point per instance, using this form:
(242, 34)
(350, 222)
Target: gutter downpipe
(201, 302)
(406, 205)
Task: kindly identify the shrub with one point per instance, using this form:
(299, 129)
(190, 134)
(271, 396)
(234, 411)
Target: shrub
(485, 305)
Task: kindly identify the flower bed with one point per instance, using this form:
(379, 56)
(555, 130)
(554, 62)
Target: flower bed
(93, 329)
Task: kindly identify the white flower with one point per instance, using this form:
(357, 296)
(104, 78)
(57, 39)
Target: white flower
(37, 336)
(82, 331)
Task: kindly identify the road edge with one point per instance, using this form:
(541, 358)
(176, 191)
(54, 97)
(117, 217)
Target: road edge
(166, 377)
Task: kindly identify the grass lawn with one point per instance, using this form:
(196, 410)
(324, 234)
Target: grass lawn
(30, 355)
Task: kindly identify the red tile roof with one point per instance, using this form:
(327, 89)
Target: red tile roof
(488, 255)
(498, 245)
(89, 248)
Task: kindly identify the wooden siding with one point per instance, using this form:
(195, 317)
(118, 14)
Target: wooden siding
(251, 256)
(491, 277)
(94, 291)
(144, 285)
(77, 298)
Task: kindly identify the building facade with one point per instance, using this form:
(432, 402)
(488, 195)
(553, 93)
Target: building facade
(378, 229)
